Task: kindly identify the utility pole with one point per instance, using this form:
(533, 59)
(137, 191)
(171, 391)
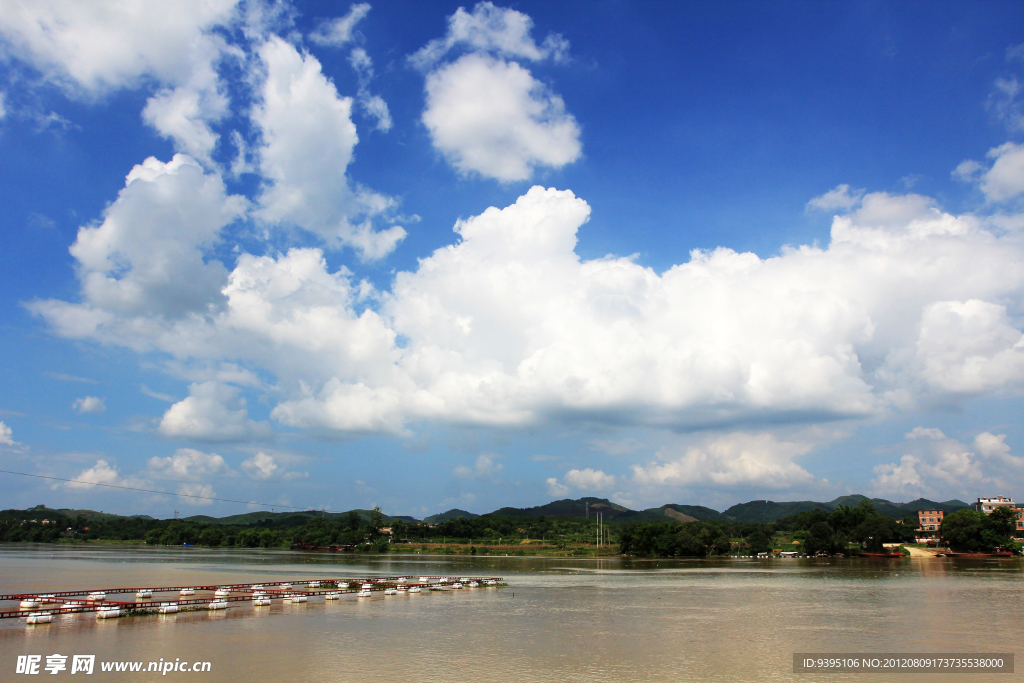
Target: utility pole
(175, 514)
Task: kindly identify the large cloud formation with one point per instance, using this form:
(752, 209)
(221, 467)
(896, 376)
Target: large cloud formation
(485, 112)
(908, 305)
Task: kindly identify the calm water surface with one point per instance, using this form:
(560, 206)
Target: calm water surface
(560, 619)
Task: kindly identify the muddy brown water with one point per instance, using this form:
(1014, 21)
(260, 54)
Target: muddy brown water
(559, 619)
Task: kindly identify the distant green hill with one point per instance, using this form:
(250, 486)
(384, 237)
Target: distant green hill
(760, 511)
(454, 513)
(764, 511)
(680, 513)
(582, 507)
(285, 518)
(41, 512)
(92, 514)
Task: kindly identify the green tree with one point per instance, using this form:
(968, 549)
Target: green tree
(376, 521)
(821, 538)
(352, 520)
(963, 530)
(211, 536)
(844, 519)
(1003, 522)
(875, 531)
(759, 542)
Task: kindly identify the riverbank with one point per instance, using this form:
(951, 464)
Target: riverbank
(925, 552)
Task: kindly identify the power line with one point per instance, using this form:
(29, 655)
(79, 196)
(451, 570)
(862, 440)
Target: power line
(166, 493)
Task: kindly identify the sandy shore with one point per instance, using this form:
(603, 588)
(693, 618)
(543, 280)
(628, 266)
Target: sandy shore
(925, 552)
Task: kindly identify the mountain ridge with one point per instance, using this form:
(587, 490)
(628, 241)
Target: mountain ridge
(761, 511)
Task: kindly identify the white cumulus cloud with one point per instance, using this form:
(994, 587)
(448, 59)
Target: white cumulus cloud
(492, 117)
(148, 254)
(556, 489)
(92, 405)
(485, 112)
(307, 141)
(93, 50)
(197, 494)
(261, 466)
(484, 467)
(212, 412)
(96, 48)
(760, 459)
(487, 28)
(938, 466)
(184, 114)
(103, 472)
(589, 479)
(1003, 180)
(840, 197)
(187, 464)
(6, 435)
(509, 326)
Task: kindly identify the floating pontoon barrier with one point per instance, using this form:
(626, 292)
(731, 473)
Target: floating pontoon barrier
(39, 618)
(117, 602)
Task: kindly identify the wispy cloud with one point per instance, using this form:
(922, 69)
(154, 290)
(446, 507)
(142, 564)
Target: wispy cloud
(69, 378)
(157, 395)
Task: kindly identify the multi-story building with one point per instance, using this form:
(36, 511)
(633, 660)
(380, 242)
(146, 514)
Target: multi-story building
(987, 505)
(928, 524)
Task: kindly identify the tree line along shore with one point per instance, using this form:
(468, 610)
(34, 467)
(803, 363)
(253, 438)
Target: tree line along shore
(844, 530)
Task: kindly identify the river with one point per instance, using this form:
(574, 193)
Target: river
(559, 619)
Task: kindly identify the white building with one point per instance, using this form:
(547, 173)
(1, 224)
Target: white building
(987, 505)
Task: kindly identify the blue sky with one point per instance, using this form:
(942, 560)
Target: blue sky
(429, 256)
